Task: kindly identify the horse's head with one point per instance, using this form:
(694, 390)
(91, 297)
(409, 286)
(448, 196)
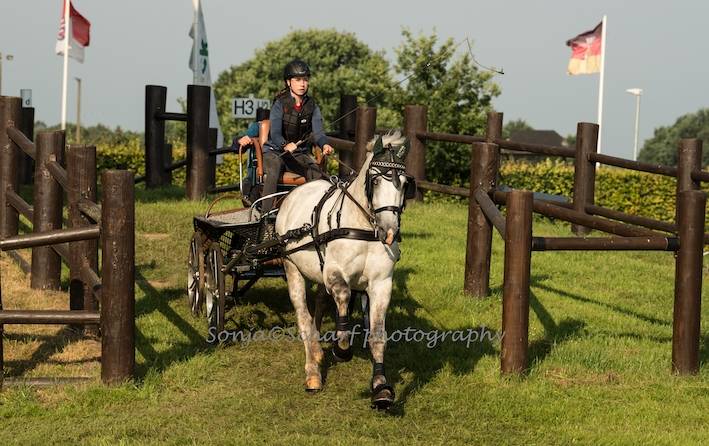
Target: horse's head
(387, 184)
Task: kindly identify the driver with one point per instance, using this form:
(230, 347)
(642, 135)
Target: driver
(295, 122)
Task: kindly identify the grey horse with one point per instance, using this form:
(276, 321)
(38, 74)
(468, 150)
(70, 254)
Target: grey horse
(371, 206)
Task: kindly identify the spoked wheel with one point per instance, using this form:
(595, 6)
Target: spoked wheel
(195, 275)
(214, 291)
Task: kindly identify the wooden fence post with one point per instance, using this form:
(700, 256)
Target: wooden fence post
(688, 282)
(364, 132)
(27, 164)
(346, 128)
(515, 298)
(155, 100)
(484, 167)
(48, 203)
(690, 214)
(10, 116)
(197, 141)
(584, 171)
(416, 120)
(117, 276)
(81, 172)
(212, 177)
(689, 158)
(493, 129)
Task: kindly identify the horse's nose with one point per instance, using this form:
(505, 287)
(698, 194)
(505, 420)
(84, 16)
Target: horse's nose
(390, 237)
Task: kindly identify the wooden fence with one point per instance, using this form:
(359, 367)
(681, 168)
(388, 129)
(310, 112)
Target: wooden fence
(111, 224)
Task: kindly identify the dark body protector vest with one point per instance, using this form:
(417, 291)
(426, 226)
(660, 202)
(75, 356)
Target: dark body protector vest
(296, 124)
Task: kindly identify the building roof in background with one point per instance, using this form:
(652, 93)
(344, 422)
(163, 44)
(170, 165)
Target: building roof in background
(546, 137)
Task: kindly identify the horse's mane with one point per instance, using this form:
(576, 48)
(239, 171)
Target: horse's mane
(393, 138)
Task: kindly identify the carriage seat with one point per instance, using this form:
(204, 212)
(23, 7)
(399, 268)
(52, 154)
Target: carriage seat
(288, 178)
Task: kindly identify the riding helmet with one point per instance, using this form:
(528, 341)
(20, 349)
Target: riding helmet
(296, 68)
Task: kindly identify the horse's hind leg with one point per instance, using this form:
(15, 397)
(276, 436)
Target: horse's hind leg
(340, 291)
(306, 328)
(321, 301)
(380, 295)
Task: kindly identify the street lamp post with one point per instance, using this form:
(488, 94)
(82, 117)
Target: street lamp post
(637, 92)
(9, 58)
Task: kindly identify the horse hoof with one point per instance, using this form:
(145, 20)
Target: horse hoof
(313, 385)
(340, 355)
(382, 397)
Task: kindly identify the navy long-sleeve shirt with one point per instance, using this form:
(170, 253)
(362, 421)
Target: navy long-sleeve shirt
(276, 141)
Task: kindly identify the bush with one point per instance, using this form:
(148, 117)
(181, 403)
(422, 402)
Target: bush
(623, 190)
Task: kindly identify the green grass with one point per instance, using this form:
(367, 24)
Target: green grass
(600, 334)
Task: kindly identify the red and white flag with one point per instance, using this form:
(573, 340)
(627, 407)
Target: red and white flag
(80, 33)
(586, 52)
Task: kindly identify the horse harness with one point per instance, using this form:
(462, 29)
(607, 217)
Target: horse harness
(390, 171)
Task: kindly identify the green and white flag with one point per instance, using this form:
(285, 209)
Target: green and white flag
(199, 64)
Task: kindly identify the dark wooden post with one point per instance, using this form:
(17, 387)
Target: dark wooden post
(48, 203)
(515, 298)
(493, 130)
(27, 164)
(10, 116)
(155, 100)
(81, 172)
(484, 167)
(117, 276)
(416, 120)
(347, 125)
(688, 282)
(364, 132)
(584, 171)
(197, 141)
(212, 177)
(689, 158)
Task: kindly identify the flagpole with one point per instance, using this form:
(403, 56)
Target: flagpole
(195, 46)
(600, 83)
(67, 30)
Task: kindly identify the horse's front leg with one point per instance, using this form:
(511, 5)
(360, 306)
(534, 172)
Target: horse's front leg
(379, 296)
(306, 328)
(340, 291)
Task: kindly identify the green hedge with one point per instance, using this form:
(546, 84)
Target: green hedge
(131, 156)
(623, 190)
(632, 192)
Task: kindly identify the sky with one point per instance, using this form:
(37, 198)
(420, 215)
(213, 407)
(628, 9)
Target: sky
(655, 45)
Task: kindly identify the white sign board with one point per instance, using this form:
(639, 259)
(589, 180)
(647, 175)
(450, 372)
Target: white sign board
(26, 95)
(246, 107)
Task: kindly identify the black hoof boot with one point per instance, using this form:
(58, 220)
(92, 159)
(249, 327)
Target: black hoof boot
(340, 355)
(382, 394)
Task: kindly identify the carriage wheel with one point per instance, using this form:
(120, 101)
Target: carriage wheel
(195, 275)
(214, 291)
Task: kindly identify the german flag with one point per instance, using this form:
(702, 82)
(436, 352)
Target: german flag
(586, 52)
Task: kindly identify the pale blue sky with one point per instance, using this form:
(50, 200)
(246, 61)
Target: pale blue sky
(657, 46)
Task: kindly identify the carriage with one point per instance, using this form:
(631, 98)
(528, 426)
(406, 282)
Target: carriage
(342, 235)
(237, 243)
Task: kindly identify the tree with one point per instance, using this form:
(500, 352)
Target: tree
(662, 147)
(457, 94)
(340, 64)
(515, 126)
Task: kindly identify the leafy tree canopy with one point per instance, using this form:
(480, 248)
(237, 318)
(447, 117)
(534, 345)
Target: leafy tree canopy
(457, 94)
(662, 147)
(340, 64)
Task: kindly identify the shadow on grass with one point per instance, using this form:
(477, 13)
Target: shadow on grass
(704, 351)
(51, 345)
(159, 300)
(553, 333)
(612, 307)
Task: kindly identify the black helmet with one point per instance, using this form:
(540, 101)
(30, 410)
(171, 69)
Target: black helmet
(296, 68)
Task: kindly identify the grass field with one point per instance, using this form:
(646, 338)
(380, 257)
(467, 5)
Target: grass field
(600, 334)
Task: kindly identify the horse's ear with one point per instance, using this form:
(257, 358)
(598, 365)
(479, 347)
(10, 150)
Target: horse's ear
(378, 146)
(403, 150)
